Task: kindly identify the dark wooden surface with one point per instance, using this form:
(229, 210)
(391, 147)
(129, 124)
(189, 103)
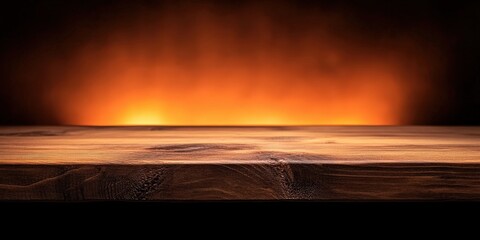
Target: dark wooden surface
(196, 163)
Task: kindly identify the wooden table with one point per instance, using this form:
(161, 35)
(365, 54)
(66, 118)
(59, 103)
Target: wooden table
(194, 163)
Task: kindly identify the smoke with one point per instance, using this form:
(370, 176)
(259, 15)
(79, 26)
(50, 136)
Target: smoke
(198, 63)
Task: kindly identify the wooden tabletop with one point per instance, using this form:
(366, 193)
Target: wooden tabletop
(164, 163)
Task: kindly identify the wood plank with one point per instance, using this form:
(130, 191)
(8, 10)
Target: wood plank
(173, 163)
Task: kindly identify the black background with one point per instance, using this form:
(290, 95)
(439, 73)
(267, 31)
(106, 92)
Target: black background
(26, 25)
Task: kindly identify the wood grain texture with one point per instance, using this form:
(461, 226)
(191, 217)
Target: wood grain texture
(206, 163)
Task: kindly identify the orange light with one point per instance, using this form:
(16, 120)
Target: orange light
(206, 71)
(140, 117)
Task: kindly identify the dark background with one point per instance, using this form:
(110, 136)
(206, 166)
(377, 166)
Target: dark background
(30, 27)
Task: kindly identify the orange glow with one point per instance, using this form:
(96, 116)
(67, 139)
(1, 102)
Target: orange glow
(136, 116)
(211, 69)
